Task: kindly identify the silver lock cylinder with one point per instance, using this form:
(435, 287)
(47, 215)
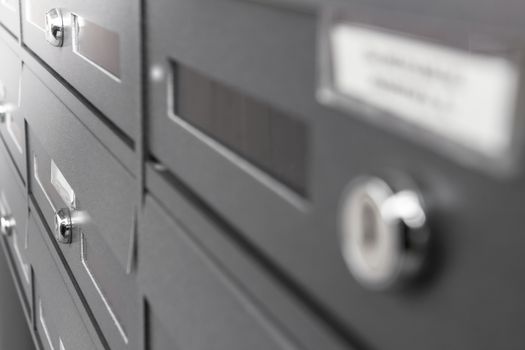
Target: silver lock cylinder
(5, 111)
(3, 114)
(63, 226)
(384, 233)
(7, 225)
(54, 27)
(2, 92)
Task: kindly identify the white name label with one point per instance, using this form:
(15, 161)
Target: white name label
(61, 185)
(469, 98)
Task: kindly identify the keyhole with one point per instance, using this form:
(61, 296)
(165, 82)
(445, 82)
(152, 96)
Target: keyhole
(370, 235)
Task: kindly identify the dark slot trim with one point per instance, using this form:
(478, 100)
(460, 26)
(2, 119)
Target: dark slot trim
(272, 140)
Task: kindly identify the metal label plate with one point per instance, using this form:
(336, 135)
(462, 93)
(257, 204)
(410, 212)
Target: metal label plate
(61, 185)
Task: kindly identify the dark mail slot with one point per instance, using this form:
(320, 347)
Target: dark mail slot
(97, 45)
(272, 140)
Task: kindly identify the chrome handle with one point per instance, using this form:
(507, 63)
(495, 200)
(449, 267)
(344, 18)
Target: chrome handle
(54, 27)
(63, 226)
(7, 225)
(384, 233)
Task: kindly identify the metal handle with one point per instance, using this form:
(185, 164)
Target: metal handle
(384, 233)
(63, 226)
(7, 224)
(54, 27)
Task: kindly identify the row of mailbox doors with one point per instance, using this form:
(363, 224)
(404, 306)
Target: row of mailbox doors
(343, 214)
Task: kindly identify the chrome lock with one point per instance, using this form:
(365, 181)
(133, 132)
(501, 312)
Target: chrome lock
(7, 225)
(3, 114)
(63, 226)
(2, 92)
(5, 111)
(384, 234)
(54, 27)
